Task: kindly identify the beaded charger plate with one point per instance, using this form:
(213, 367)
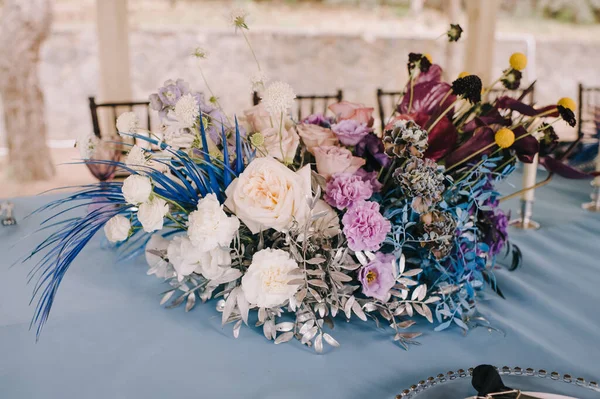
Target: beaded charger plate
(539, 383)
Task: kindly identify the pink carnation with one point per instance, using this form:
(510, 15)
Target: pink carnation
(364, 227)
(344, 189)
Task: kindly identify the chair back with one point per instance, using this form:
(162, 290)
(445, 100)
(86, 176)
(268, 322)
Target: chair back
(588, 113)
(308, 104)
(387, 102)
(113, 110)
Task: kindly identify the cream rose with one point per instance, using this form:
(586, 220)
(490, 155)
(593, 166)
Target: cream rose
(265, 283)
(269, 195)
(316, 136)
(210, 227)
(151, 214)
(259, 119)
(332, 160)
(136, 189)
(117, 228)
(282, 147)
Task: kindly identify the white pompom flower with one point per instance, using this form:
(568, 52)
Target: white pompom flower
(151, 214)
(278, 98)
(136, 159)
(127, 122)
(187, 111)
(214, 263)
(136, 189)
(184, 256)
(86, 144)
(117, 228)
(209, 226)
(265, 283)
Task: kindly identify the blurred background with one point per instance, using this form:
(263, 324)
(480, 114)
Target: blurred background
(56, 54)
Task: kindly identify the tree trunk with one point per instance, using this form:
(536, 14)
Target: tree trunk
(24, 25)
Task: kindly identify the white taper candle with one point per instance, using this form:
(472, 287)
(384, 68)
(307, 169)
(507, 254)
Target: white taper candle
(529, 178)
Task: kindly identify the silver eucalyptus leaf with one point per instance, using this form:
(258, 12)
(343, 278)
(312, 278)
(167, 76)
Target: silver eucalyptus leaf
(262, 314)
(296, 281)
(229, 306)
(285, 326)
(348, 306)
(402, 264)
(176, 302)
(350, 266)
(243, 305)
(432, 299)
(358, 311)
(166, 297)
(236, 328)
(319, 343)
(191, 301)
(331, 341)
(307, 326)
(309, 335)
(339, 276)
(318, 283)
(285, 337)
(361, 258)
(409, 309)
(412, 272)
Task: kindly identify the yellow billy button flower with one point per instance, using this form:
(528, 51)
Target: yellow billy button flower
(504, 138)
(518, 61)
(568, 103)
(463, 74)
(428, 56)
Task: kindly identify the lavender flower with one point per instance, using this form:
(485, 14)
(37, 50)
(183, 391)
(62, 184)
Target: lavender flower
(371, 148)
(498, 234)
(344, 189)
(371, 178)
(364, 227)
(168, 95)
(319, 120)
(350, 132)
(377, 278)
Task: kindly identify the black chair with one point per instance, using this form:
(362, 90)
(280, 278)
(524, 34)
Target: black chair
(384, 112)
(588, 113)
(309, 101)
(115, 109)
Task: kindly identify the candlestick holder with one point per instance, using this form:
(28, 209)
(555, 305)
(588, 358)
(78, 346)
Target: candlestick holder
(524, 221)
(594, 205)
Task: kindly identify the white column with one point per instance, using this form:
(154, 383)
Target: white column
(480, 34)
(113, 50)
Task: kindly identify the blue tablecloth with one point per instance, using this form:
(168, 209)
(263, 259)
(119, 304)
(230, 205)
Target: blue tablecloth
(108, 337)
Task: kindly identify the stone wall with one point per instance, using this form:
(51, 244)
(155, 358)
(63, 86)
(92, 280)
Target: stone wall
(313, 62)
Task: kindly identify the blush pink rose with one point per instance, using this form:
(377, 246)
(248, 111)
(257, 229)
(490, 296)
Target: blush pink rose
(316, 136)
(358, 112)
(332, 160)
(259, 119)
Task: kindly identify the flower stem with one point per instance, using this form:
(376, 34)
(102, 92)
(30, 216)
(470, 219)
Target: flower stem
(412, 89)
(281, 138)
(439, 118)
(487, 147)
(251, 49)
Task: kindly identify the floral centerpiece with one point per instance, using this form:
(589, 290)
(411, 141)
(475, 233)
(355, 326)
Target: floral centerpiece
(291, 225)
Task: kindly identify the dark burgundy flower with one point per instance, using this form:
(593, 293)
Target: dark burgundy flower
(512, 79)
(549, 141)
(482, 137)
(567, 115)
(525, 146)
(442, 138)
(427, 97)
(468, 87)
(418, 60)
(454, 32)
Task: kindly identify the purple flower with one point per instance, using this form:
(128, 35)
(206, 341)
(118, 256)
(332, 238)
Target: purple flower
(344, 189)
(364, 227)
(319, 120)
(172, 91)
(371, 148)
(371, 178)
(377, 278)
(350, 132)
(497, 235)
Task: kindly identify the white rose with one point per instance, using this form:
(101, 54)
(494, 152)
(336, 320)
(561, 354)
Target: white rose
(117, 228)
(184, 256)
(127, 122)
(157, 265)
(281, 145)
(269, 195)
(151, 214)
(214, 263)
(265, 283)
(210, 227)
(136, 189)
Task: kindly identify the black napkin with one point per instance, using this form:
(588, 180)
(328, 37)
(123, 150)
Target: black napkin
(486, 380)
